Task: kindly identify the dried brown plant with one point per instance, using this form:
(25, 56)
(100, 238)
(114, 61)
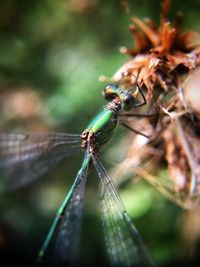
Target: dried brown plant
(167, 62)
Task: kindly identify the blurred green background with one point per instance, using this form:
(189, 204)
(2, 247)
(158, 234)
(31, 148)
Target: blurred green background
(51, 56)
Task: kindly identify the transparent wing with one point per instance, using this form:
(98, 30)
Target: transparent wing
(68, 220)
(24, 157)
(124, 245)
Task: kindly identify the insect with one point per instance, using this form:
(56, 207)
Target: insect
(28, 156)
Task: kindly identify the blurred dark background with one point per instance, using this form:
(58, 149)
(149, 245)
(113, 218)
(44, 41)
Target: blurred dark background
(51, 56)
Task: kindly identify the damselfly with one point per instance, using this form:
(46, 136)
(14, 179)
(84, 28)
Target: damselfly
(26, 157)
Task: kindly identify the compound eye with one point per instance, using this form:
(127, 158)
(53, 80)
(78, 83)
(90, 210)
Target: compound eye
(110, 92)
(127, 103)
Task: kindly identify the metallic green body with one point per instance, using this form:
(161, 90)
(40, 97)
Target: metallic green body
(125, 247)
(103, 125)
(62, 208)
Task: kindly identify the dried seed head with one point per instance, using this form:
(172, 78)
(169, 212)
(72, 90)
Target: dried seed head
(165, 59)
(163, 53)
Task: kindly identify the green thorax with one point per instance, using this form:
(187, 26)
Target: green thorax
(101, 121)
(101, 128)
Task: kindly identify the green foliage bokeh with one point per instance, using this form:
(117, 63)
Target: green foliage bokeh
(59, 49)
